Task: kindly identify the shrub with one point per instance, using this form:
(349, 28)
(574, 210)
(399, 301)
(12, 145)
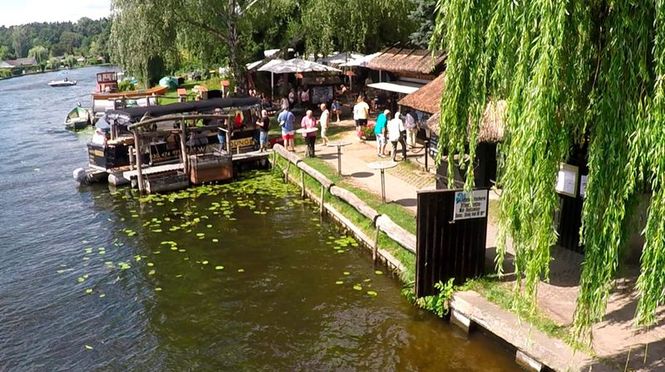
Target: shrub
(125, 85)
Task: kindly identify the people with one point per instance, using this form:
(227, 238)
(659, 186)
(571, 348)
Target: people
(221, 130)
(380, 132)
(99, 138)
(360, 115)
(264, 126)
(308, 122)
(395, 128)
(292, 97)
(304, 97)
(286, 121)
(324, 120)
(411, 129)
(336, 108)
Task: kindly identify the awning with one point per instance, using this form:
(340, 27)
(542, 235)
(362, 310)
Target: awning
(253, 65)
(361, 61)
(296, 65)
(403, 87)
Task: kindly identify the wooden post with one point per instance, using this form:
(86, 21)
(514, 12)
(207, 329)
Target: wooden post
(375, 249)
(131, 157)
(323, 194)
(302, 181)
(139, 163)
(183, 146)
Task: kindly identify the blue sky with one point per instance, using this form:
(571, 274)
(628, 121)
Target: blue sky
(16, 12)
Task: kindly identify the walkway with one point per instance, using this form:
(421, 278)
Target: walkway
(615, 339)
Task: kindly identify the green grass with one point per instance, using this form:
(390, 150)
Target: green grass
(172, 95)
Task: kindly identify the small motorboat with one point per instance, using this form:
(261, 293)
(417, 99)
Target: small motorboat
(62, 83)
(78, 118)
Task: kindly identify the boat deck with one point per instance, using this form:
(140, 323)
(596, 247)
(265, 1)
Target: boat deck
(153, 170)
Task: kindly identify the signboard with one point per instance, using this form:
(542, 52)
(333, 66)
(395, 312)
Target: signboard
(566, 180)
(466, 207)
(583, 181)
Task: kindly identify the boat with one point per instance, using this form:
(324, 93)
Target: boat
(107, 97)
(78, 118)
(110, 151)
(62, 83)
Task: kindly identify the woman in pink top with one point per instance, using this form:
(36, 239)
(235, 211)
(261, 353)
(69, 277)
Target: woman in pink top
(308, 122)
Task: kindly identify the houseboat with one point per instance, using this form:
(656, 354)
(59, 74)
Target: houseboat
(107, 97)
(175, 143)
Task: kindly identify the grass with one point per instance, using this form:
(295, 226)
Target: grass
(172, 95)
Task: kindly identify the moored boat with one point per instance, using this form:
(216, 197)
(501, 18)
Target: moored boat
(78, 118)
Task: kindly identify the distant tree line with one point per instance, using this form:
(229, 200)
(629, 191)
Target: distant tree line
(45, 41)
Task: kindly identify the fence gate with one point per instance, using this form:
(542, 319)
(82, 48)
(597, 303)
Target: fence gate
(452, 229)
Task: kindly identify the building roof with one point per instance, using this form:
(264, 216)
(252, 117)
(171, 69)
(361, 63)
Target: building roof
(428, 98)
(22, 62)
(400, 60)
(4, 64)
(491, 129)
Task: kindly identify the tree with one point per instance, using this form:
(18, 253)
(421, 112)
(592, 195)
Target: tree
(574, 73)
(423, 16)
(4, 52)
(39, 53)
(19, 41)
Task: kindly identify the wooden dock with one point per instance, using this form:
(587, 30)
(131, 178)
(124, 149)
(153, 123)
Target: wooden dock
(153, 170)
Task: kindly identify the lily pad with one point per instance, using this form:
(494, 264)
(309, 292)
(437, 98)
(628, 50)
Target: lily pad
(151, 272)
(347, 273)
(357, 287)
(219, 267)
(205, 262)
(158, 289)
(339, 282)
(372, 293)
(378, 272)
(241, 270)
(88, 347)
(88, 291)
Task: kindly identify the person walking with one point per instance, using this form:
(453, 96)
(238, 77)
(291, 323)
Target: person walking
(380, 132)
(395, 128)
(264, 127)
(287, 122)
(411, 129)
(360, 115)
(308, 122)
(324, 120)
(336, 108)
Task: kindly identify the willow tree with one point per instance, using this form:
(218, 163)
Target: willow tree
(355, 25)
(573, 73)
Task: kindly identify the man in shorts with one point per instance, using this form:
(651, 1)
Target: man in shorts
(360, 115)
(287, 121)
(380, 132)
(323, 122)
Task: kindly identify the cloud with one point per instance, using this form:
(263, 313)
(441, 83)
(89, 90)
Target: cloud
(17, 12)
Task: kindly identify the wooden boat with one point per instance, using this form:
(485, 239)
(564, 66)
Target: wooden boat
(62, 83)
(78, 118)
(157, 91)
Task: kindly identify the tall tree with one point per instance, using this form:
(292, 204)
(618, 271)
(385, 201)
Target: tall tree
(423, 16)
(39, 53)
(19, 39)
(574, 73)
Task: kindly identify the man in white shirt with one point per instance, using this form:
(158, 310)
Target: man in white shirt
(360, 115)
(395, 128)
(323, 122)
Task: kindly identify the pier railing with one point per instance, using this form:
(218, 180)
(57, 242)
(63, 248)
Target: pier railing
(381, 222)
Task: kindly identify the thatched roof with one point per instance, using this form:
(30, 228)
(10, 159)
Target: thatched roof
(492, 127)
(408, 61)
(428, 98)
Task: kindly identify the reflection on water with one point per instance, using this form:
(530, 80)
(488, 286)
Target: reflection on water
(244, 276)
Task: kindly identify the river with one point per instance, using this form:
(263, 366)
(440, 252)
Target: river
(244, 276)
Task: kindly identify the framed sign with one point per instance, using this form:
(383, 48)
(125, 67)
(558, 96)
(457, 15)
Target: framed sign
(567, 180)
(583, 181)
(466, 207)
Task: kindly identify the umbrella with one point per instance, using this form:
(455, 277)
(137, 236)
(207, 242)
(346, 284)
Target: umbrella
(339, 58)
(296, 65)
(360, 62)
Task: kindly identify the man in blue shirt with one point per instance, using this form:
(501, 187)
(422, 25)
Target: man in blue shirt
(287, 121)
(380, 132)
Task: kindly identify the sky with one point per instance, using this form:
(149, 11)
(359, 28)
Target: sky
(17, 12)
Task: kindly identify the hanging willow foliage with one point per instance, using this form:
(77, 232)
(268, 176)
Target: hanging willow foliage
(574, 73)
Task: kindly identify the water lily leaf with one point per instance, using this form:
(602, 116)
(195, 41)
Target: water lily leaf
(215, 240)
(158, 289)
(339, 282)
(357, 287)
(372, 293)
(124, 266)
(151, 272)
(219, 267)
(88, 347)
(88, 291)
(150, 264)
(367, 280)
(205, 262)
(102, 295)
(200, 234)
(347, 273)
(241, 270)
(378, 272)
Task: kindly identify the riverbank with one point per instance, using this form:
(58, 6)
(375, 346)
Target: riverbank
(552, 341)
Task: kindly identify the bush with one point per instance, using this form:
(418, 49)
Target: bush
(368, 131)
(125, 85)
(5, 73)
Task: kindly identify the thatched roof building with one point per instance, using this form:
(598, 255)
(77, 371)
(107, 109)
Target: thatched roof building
(491, 129)
(409, 62)
(426, 99)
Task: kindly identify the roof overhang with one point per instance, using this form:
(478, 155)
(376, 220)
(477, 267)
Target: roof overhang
(403, 87)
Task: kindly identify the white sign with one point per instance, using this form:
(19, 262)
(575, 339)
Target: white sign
(566, 180)
(583, 181)
(465, 208)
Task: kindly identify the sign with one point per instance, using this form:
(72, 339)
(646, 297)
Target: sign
(242, 142)
(566, 180)
(465, 208)
(583, 181)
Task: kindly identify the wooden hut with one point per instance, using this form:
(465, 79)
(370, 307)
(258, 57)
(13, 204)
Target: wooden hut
(490, 134)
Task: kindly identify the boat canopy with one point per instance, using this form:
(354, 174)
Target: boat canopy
(134, 114)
